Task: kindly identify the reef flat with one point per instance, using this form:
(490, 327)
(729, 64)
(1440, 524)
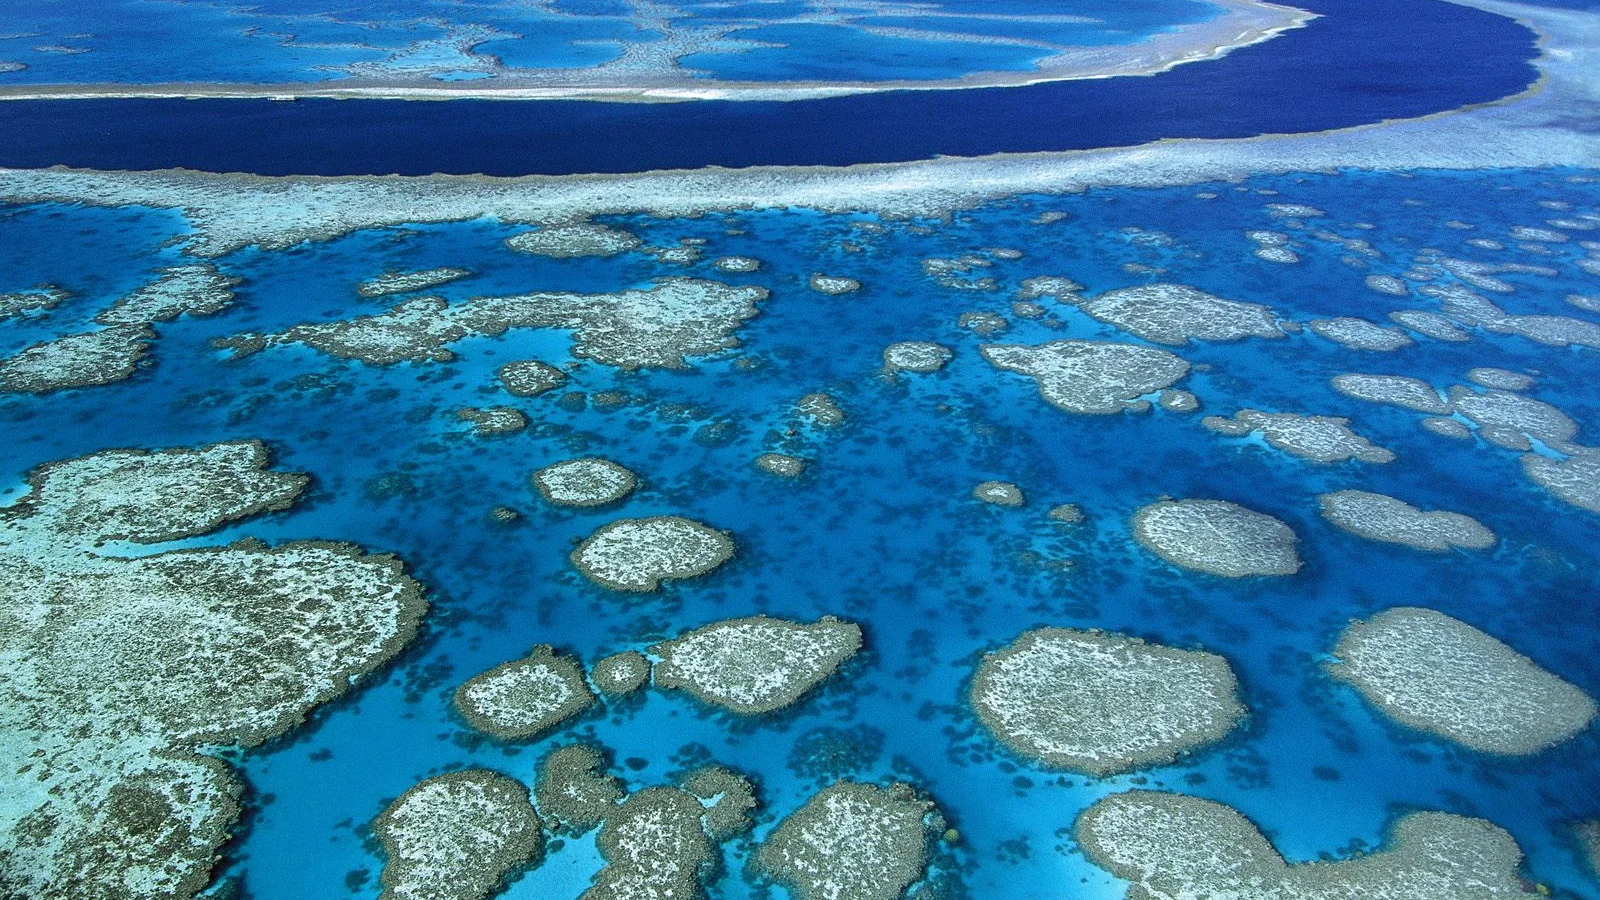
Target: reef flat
(20, 304)
(1170, 846)
(883, 531)
(1103, 703)
(921, 357)
(574, 790)
(197, 289)
(655, 848)
(1380, 517)
(1325, 439)
(523, 698)
(1089, 376)
(729, 799)
(620, 673)
(114, 352)
(590, 481)
(122, 672)
(530, 377)
(1218, 537)
(660, 326)
(493, 420)
(1176, 314)
(1437, 674)
(457, 836)
(85, 359)
(1397, 390)
(408, 282)
(756, 664)
(1359, 334)
(781, 464)
(567, 241)
(227, 210)
(638, 554)
(851, 842)
(1574, 480)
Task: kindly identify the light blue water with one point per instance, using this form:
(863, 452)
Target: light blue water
(816, 52)
(276, 41)
(882, 530)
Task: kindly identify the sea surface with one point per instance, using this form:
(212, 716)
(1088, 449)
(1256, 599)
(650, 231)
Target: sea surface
(1359, 63)
(882, 529)
(278, 41)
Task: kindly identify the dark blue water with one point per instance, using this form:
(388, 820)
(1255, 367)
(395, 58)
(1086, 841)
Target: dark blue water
(1358, 64)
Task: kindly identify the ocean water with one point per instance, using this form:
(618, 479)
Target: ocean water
(1360, 63)
(882, 529)
(820, 52)
(278, 41)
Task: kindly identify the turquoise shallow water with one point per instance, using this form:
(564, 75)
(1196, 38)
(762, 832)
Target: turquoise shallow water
(882, 530)
(277, 41)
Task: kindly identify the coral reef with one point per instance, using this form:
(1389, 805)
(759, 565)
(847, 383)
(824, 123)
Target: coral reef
(1437, 674)
(1218, 537)
(457, 836)
(1103, 703)
(757, 664)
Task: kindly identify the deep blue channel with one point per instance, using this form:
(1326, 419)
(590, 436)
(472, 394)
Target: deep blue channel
(1360, 63)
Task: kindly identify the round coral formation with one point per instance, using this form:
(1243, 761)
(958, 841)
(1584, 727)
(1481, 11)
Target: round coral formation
(1217, 537)
(638, 554)
(526, 697)
(1102, 703)
(586, 482)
